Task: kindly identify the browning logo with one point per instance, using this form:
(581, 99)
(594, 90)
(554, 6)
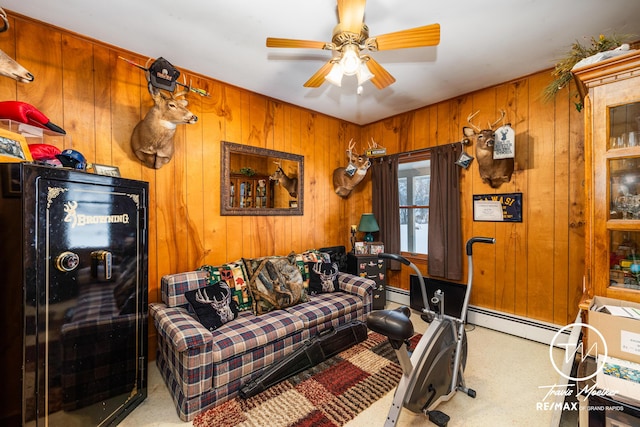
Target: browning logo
(78, 220)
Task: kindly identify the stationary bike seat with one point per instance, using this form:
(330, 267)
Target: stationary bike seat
(394, 324)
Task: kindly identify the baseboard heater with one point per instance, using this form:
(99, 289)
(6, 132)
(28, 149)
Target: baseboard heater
(512, 324)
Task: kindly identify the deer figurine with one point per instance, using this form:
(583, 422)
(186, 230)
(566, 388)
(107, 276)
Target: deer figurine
(152, 138)
(290, 184)
(494, 172)
(345, 179)
(9, 67)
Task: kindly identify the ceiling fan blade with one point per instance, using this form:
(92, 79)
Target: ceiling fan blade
(277, 42)
(429, 35)
(381, 77)
(351, 15)
(318, 78)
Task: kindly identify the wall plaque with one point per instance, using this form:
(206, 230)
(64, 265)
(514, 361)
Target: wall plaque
(505, 207)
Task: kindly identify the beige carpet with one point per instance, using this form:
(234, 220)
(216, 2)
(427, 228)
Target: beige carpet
(507, 373)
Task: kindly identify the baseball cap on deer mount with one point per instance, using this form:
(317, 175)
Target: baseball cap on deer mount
(72, 159)
(163, 75)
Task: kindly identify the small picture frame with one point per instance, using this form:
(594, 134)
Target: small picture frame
(13, 147)
(360, 248)
(106, 170)
(375, 248)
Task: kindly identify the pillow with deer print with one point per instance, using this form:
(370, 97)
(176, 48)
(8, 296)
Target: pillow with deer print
(323, 277)
(213, 305)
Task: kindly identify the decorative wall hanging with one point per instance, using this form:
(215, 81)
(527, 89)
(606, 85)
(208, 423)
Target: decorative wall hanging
(493, 171)
(505, 207)
(152, 140)
(345, 179)
(9, 67)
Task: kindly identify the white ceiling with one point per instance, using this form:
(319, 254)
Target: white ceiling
(483, 43)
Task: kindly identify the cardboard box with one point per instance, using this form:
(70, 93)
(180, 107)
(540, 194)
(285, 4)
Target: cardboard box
(622, 334)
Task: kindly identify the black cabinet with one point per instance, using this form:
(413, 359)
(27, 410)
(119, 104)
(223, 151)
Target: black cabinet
(374, 268)
(73, 255)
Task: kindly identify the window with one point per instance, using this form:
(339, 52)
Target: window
(414, 178)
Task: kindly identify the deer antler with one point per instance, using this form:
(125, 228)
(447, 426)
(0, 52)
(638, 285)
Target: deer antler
(470, 117)
(178, 94)
(502, 113)
(3, 16)
(352, 144)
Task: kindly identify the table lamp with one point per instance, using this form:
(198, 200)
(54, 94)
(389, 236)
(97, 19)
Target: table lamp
(368, 225)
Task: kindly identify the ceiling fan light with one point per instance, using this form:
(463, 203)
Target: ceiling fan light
(364, 75)
(335, 75)
(350, 61)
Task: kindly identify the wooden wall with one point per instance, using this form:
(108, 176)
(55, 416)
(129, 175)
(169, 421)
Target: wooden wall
(534, 270)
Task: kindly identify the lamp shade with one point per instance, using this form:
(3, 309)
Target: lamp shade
(368, 225)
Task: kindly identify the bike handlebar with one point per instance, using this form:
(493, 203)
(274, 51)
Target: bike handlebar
(470, 243)
(395, 257)
(473, 240)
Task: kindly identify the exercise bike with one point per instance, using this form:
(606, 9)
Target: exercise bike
(435, 370)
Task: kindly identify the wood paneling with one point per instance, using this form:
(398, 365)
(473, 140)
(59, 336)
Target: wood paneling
(534, 269)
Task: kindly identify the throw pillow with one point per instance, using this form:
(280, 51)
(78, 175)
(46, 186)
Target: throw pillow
(213, 305)
(234, 274)
(303, 259)
(337, 254)
(276, 283)
(324, 277)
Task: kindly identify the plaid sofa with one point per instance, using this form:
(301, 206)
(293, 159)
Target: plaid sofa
(203, 369)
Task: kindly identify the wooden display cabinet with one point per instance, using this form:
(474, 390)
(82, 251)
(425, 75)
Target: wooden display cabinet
(612, 178)
(250, 192)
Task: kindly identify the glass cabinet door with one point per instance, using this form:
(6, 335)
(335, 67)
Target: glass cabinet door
(623, 169)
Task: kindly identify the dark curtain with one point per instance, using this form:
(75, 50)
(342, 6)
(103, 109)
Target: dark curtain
(385, 204)
(445, 228)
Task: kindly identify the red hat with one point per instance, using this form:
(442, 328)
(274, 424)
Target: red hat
(26, 113)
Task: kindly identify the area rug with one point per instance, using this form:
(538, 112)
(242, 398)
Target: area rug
(327, 395)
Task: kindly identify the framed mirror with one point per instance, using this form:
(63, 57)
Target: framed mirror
(260, 181)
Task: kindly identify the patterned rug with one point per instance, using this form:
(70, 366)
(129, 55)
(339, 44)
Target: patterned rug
(327, 395)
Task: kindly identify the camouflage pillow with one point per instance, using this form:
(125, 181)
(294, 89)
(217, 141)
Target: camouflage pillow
(275, 283)
(233, 273)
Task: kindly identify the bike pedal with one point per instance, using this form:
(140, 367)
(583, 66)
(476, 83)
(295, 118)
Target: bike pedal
(439, 418)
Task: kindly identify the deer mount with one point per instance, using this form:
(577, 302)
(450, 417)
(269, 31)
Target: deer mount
(9, 67)
(290, 184)
(152, 138)
(493, 171)
(346, 178)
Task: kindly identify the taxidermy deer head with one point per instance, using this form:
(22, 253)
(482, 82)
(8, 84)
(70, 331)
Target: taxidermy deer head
(152, 138)
(345, 179)
(492, 171)
(290, 184)
(9, 67)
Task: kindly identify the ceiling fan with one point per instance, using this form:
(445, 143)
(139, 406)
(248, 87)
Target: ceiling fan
(350, 38)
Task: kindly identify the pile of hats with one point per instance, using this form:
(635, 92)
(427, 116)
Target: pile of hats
(52, 156)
